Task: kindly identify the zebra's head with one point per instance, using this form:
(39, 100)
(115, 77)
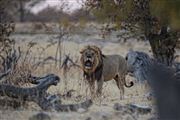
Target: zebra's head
(138, 63)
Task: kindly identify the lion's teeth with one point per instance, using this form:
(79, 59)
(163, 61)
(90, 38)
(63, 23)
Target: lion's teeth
(88, 67)
(89, 59)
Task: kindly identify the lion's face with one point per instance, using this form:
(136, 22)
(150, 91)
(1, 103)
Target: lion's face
(90, 58)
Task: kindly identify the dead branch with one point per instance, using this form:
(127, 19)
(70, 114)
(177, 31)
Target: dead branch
(68, 59)
(39, 95)
(73, 107)
(29, 94)
(10, 59)
(50, 58)
(133, 108)
(2, 75)
(66, 65)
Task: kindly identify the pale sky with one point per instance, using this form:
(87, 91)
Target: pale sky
(72, 5)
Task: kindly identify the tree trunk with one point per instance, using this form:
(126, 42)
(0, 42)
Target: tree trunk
(163, 46)
(162, 43)
(21, 10)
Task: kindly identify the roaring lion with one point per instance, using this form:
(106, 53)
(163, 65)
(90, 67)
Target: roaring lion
(101, 68)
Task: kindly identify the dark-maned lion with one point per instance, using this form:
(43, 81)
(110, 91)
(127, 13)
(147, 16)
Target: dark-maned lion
(102, 68)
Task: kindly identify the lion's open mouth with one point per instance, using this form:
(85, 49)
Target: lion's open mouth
(88, 64)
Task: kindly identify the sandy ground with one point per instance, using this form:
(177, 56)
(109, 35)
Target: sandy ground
(74, 80)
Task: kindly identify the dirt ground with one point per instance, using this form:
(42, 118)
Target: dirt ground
(102, 109)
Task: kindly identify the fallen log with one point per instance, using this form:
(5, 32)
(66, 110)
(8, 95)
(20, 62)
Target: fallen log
(40, 80)
(73, 107)
(32, 93)
(39, 95)
(133, 108)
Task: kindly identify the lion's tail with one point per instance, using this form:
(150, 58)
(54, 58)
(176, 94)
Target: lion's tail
(128, 86)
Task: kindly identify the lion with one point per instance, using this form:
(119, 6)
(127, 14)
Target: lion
(100, 68)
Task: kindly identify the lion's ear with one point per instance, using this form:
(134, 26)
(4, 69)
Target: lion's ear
(96, 49)
(81, 51)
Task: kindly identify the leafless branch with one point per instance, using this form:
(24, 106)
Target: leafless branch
(39, 95)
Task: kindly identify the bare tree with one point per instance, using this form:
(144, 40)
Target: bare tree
(14, 8)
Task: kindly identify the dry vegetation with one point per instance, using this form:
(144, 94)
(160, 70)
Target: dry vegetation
(48, 43)
(39, 57)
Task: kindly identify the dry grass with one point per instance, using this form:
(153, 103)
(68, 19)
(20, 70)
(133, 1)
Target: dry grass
(74, 81)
